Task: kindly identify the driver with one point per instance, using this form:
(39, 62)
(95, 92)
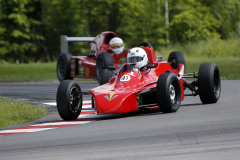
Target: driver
(137, 57)
(117, 45)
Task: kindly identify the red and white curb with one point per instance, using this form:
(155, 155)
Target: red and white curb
(85, 117)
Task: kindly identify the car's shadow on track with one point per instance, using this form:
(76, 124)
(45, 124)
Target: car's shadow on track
(191, 104)
(141, 112)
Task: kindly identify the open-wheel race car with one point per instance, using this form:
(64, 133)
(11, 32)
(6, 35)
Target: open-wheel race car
(106, 49)
(144, 82)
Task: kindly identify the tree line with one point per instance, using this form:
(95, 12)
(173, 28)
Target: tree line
(30, 29)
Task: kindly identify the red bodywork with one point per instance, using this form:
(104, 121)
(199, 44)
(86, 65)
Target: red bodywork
(120, 95)
(85, 66)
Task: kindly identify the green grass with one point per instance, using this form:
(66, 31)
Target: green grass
(32, 72)
(229, 67)
(226, 54)
(12, 113)
(214, 48)
(46, 72)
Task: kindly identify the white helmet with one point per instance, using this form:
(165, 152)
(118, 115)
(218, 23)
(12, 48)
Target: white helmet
(138, 57)
(117, 45)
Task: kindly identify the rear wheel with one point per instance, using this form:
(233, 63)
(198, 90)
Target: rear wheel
(168, 93)
(209, 83)
(176, 58)
(69, 100)
(103, 61)
(63, 66)
(106, 76)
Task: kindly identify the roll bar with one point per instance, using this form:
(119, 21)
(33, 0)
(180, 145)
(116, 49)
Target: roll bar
(65, 39)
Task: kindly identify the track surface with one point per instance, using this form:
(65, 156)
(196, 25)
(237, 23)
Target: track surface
(195, 131)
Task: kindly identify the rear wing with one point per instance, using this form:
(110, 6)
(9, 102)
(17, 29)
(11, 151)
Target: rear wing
(65, 39)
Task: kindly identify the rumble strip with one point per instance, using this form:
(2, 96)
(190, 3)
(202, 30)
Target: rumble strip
(85, 117)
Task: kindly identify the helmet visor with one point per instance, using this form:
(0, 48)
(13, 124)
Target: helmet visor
(135, 59)
(116, 45)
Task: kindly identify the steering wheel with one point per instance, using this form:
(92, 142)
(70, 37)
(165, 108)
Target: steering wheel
(145, 44)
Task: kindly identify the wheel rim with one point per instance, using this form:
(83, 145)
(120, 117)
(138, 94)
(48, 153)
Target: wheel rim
(75, 99)
(172, 94)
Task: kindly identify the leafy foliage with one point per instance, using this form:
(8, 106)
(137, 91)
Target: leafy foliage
(194, 23)
(19, 29)
(30, 29)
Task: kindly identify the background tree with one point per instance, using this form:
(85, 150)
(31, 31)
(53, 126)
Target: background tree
(61, 17)
(19, 22)
(141, 22)
(227, 13)
(192, 22)
(30, 29)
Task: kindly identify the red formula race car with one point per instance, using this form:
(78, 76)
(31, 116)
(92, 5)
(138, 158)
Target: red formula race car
(106, 50)
(159, 83)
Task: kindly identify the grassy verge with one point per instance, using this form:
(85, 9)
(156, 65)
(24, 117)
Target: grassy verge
(32, 72)
(229, 67)
(214, 48)
(43, 72)
(225, 53)
(12, 113)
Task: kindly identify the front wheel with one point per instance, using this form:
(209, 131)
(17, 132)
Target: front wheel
(209, 83)
(168, 93)
(69, 100)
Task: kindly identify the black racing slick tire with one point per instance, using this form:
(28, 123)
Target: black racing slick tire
(104, 60)
(63, 66)
(175, 58)
(69, 100)
(106, 76)
(209, 83)
(168, 93)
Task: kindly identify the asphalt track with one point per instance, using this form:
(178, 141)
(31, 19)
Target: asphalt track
(195, 131)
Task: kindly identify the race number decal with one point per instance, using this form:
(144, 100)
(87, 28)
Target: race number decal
(125, 78)
(87, 72)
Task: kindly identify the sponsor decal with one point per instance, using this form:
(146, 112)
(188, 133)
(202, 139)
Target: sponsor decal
(87, 72)
(80, 62)
(80, 68)
(111, 96)
(125, 78)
